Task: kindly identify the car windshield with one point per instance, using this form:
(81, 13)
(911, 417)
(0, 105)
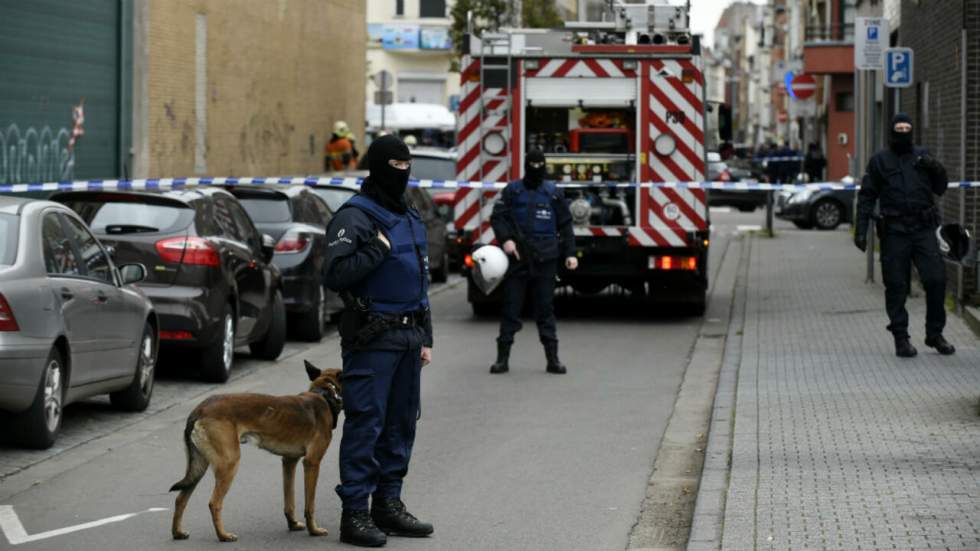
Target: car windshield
(266, 210)
(9, 224)
(106, 215)
(428, 168)
(335, 197)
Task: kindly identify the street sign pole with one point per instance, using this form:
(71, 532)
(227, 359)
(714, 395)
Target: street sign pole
(870, 42)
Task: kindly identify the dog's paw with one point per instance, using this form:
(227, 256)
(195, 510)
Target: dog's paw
(181, 535)
(228, 537)
(317, 531)
(295, 526)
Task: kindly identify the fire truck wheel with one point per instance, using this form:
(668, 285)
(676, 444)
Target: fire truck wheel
(485, 309)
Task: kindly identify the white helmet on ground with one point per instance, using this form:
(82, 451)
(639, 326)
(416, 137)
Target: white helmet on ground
(489, 267)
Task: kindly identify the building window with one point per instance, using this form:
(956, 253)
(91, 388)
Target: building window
(399, 7)
(432, 8)
(845, 102)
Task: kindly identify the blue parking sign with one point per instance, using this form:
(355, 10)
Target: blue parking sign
(872, 33)
(898, 67)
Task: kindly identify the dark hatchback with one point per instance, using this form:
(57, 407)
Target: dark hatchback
(209, 271)
(743, 200)
(435, 227)
(824, 209)
(296, 217)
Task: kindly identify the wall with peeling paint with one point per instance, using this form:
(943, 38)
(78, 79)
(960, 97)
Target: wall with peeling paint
(276, 75)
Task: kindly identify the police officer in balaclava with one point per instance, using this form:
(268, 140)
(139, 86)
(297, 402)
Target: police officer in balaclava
(532, 221)
(377, 259)
(903, 178)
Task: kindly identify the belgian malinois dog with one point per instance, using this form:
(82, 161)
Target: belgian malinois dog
(294, 427)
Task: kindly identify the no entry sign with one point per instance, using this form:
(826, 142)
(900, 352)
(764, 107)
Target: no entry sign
(803, 86)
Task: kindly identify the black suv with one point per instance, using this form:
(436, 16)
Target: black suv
(296, 218)
(209, 271)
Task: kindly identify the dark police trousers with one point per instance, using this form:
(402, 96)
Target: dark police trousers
(900, 248)
(540, 282)
(381, 406)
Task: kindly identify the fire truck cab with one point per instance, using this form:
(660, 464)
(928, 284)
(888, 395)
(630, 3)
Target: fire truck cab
(617, 107)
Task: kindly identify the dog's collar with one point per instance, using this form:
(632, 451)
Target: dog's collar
(333, 399)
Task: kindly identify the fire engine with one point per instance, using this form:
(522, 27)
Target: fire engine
(617, 106)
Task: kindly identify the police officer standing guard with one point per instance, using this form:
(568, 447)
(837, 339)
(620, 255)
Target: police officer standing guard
(534, 224)
(377, 259)
(904, 178)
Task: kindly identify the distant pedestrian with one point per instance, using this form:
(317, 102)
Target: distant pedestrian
(341, 151)
(814, 163)
(903, 178)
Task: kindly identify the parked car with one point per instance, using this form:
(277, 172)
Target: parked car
(211, 276)
(336, 195)
(721, 171)
(429, 163)
(296, 217)
(822, 209)
(445, 208)
(72, 324)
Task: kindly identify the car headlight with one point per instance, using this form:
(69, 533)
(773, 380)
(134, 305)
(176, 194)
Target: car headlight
(801, 196)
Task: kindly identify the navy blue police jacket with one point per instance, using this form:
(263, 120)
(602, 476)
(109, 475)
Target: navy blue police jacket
(390, 281)
(538, 216)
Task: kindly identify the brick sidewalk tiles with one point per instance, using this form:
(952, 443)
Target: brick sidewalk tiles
(837, 443)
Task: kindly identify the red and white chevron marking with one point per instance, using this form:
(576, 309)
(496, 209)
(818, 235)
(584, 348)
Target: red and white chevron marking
(469, 133)
(469, 216)
(675, 108)
(570, 68)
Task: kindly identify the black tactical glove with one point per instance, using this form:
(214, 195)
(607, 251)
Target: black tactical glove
(861, 241)
(929, 163)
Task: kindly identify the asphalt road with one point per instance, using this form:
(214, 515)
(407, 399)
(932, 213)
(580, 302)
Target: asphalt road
(526, 460)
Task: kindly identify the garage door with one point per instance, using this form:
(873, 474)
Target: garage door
(421, 91)
(57, 55)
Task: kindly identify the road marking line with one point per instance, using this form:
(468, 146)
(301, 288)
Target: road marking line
(11, 526)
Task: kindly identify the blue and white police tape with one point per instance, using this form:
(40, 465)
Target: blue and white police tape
(155, 184)
(779, 158)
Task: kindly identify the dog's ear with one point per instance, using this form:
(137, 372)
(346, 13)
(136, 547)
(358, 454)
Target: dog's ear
(311, 371)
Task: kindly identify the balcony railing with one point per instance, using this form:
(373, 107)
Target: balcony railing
(835, 33)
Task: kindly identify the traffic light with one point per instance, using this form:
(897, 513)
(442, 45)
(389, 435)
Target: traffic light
(725, 122)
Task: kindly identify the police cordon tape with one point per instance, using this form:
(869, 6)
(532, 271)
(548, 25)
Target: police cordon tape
(157, 184)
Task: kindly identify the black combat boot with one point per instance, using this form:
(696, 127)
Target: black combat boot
(940, 344)
(357, 528)
(904, 348)
(503, 355)
(554, 364)
(390, 515)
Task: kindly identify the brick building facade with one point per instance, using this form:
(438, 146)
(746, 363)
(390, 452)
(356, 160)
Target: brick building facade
(934, 32)
(244, 87)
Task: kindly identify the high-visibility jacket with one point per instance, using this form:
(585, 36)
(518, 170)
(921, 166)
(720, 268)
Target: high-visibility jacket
(340, 153)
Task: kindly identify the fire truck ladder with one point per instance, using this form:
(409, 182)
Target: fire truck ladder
(496, 63)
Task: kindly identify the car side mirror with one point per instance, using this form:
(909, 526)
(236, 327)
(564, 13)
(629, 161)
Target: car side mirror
(268, 247)
(132, 273)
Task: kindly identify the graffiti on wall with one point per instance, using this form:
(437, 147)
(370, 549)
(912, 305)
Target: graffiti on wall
(35, 155)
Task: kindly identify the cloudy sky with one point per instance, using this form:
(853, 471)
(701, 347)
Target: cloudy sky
(705, 14)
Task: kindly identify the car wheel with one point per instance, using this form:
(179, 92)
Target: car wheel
(803, 225)
(310, 326)
(746, 208)
(442, 274)
(136, 396)
(38, 426)
(697, 307)
(827, 215)
(218, 357)
(274, 340)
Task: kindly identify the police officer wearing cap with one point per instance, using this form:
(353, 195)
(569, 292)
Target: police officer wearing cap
(903, 178)
(532, 221)
(377, 259)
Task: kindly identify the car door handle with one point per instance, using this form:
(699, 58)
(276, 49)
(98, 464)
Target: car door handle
(67, 294)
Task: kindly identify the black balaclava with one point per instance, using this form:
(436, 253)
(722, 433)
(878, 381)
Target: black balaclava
(385, 183)
(900, 142)
(533, 176)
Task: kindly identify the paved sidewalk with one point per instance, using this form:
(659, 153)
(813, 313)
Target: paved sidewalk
(836, 443)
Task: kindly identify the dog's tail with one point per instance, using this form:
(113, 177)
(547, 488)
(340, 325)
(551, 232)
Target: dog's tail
(197, 464)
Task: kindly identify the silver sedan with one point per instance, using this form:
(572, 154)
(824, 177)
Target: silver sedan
(72, 324)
